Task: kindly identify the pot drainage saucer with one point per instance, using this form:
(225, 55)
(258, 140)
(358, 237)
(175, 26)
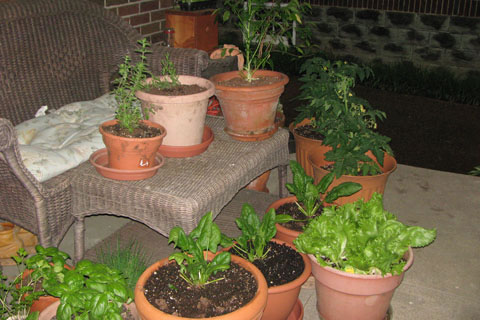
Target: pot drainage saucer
(188, 151)
(99, 159)
(297, 312)
(251, 137)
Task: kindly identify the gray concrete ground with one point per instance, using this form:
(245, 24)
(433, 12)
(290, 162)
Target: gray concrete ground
(444, 281)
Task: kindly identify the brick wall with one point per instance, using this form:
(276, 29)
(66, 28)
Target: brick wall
(147, 16)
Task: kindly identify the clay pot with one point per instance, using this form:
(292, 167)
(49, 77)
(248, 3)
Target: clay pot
(28, 238)
(304, 145)
(131, 153)
(260, 183)
(346, 296)
(9, 242)
(282, 299)
(182, 116)
(249, 111)
(51, 311)
(370, 184)
(251, 311)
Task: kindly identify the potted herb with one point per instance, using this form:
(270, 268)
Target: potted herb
(307, 201)
(359, 254)
(249, 98)
(199, 282)
(179, 103)
(284, 268)
(131, 140)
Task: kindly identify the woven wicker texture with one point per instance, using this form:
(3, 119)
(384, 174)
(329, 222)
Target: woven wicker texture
(183, 189)
(54, 53)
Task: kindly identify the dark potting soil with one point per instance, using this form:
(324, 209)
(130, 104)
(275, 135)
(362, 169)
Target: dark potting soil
(240, 82)
(281, 265)
(180, 90)
(291, 209)
(143, 131)
(171, 294)
(308, 132)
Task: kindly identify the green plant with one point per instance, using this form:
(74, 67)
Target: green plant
(17, 296)
(475, 171)
(346, 121)
(309, 195)
(361, 238)
(129, 258)
(195, 268)
(256, 234)
(265, 24)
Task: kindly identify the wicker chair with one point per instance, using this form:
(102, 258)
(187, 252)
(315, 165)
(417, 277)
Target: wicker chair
(54, 53)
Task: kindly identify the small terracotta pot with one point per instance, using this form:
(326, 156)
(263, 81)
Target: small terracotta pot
(251, 311)
(370, 184)
(249, 111)
(182, 116)
(346, 296)
(131, 153)
(282, 299)
(303, 146)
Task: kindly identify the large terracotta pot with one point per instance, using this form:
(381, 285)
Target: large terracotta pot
(131, 153)
(282, 299)
(284, 234)
(346, 296)
(370, 184)
(249, 111)
(182, 116)
(251, 311)
(304, 145)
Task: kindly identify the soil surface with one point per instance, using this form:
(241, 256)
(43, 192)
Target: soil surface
(281, 265)
(143, 131)
(171, 294)
(424, 132)
(300, 219)
(240, 82)
(180, 90)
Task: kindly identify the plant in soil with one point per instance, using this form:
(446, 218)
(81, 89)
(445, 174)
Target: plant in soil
(200, 283)
(279, 263)
(17, 296)
(265, 24)
(311, 197)
(340, 119)
(361, 238)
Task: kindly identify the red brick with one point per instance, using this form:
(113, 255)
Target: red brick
(150, 28)
(115, 2)
(99, 2)
(156, 37)
(114, 10)
(148, 6)
(140, 19)
(128, 10)
(166, 3)
(157, 15)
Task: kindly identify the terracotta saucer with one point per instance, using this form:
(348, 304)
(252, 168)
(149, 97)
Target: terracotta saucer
(99, 160)
(258, 137)
(188, 151)
(297, 312)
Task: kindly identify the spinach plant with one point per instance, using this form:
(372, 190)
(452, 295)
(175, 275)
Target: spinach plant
(195, 268)
(362, 238)
(309, 195)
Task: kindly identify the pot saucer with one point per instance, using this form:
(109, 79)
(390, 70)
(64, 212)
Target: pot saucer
(251, 137)
(188, 151)
(297, 312)
(99, 159)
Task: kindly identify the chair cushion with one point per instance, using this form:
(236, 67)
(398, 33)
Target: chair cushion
(56, 142)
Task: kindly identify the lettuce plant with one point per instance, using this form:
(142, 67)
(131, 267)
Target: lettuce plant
(361, 238)
(195, 268)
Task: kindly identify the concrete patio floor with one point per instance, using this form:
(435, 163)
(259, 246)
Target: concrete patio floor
(444, 280)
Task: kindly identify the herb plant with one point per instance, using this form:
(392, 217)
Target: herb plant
(264, 24)
(193, 261)
(309, 195)
(362, 238)
(346, 121)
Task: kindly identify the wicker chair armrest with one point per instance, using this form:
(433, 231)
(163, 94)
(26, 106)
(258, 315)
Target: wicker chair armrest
(187, 61)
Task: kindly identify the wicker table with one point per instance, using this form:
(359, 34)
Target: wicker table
(184, 189)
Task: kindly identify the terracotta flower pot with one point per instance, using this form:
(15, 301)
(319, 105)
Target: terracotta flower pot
(131, 153)
(9, 241)
(252, 310)
(249, 111)
(282, 299)
(370, 184)
(304, 145)
(182, 116)
(346, 296)
(51, 311)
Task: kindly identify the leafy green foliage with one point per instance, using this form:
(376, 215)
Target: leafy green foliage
(13, 301)
(361, 238)
(475, 171)
(130, 258)
(309, 195)
(194, 265)
(265, 24)
(346, 121)
(256, 234)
